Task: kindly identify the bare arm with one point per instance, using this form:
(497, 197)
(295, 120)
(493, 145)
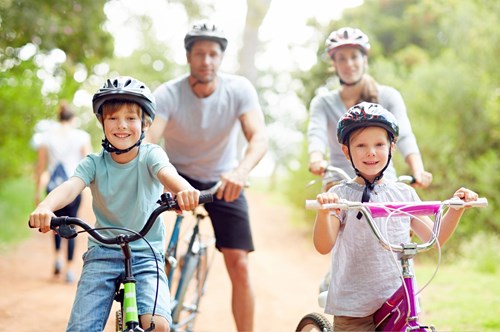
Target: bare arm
(187, 196)
(254, 129)
(326, 226)
(449, 222)
(58, 198)
(422, 177)
(155, 132)
(317, 163)
(41, 165)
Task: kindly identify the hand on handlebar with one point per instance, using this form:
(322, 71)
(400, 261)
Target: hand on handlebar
(40, 218)
(422, 179)
(466, 195)
(188, 199)
(328, 198)
(318, 167)
(232, 184)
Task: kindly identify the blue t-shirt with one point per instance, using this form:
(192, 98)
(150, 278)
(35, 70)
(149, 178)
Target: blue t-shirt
(124, 195)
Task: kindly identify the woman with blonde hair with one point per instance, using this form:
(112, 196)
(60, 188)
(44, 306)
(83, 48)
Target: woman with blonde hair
(348, 49)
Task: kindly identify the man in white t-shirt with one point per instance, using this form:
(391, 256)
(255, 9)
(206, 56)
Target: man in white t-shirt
(199, 116)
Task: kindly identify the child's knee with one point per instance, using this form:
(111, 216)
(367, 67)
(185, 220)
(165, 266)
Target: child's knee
(161, 323)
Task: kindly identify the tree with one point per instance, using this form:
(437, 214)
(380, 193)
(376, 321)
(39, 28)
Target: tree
(443, 57)
(31, 80)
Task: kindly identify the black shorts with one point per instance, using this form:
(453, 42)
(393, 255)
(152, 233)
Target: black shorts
(230, 220)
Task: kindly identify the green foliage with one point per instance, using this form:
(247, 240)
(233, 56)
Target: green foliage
(296, 188)
(21, 106)
(443, 57)
(481, 253)
(27, 92)
(147, 63)
(450, 306)
(19, 194)
(72, 26)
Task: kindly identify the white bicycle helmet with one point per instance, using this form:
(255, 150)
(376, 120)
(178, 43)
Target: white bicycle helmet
(125, 88)
(347, 37)
(205, 30)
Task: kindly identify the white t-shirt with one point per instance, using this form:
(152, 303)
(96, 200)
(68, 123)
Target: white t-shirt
(64, 146)
(201, 136)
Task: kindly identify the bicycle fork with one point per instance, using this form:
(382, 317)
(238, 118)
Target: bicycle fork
(129, 301)
(399, 312)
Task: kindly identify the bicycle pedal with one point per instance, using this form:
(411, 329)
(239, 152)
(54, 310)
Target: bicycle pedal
(172, 261)
(191, 308)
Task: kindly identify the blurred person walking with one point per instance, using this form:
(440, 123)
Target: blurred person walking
(60, 148)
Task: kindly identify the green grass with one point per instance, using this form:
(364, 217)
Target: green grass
(460, 298)
(464, 296)
(16, 202)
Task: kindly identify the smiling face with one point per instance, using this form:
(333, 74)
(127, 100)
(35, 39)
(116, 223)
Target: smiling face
(204, 59)
(122, 124)
(369, 149)
(350, 63)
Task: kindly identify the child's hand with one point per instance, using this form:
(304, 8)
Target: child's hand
(40, 218)
(328, 198)
(465, 195)
(188, 199)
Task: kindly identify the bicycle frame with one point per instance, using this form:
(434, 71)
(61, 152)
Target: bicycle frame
(194, 255)
(399, 312)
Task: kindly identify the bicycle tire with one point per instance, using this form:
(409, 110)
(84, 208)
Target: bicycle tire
(190, 289)
(314, 322)
(119, 321)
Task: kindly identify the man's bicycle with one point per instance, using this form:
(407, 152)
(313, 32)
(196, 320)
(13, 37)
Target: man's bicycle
(399, 312)
(189, 270)
(127, 316)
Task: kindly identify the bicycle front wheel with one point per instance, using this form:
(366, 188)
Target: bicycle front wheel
(190, 289)
(314, 322)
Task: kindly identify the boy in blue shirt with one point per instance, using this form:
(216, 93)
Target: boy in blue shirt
(125, 178)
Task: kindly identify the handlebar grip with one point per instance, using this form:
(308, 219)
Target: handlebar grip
(57, 221)
(408, 179)
(205, 197)
(314, 205)
(54, 222)
(481, 202)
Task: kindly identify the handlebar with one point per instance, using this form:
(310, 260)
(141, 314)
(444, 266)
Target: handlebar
(334, 175)
(393, 209)
(64, 225)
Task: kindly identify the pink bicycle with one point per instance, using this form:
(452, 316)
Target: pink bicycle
(399, 312)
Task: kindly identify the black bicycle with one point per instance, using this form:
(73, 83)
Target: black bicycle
(127, 317)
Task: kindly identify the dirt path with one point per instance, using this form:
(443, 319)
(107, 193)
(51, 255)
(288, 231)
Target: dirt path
(286, 273)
